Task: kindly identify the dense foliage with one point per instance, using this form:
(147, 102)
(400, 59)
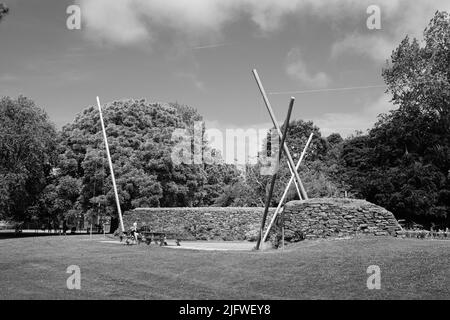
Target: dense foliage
(27, 155)
(403, 163)
(318, 169)
(140, 142)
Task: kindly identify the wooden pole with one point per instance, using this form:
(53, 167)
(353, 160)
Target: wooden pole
(287, 187)
(110, 166)
(282, 229)
(295, 182)
(277, 126)
(274, 175)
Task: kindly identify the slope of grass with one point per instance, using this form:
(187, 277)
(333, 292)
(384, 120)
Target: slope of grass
(35, 268)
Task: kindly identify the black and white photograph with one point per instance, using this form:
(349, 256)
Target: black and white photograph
(224, 156)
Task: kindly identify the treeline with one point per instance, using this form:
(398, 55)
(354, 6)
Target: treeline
(48, 175)
(402, 163)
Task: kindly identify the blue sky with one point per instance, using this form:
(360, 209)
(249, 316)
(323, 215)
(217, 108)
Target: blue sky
(201, 53)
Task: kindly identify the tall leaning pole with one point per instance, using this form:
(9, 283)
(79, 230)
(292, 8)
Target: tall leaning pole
(110, 166)
(277, 126)
(274, 175)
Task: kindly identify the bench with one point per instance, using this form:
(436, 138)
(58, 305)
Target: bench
(147, 235)
(159, 236)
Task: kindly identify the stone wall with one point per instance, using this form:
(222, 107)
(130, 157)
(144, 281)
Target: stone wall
(323, 218)
(311, 219)
(204, 223)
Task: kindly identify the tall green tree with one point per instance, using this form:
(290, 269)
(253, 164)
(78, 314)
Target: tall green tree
(403, 163)
(27, 153)
(318, 170)
(141, 143)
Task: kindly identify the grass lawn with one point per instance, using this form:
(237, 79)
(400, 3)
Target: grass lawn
(35, 268)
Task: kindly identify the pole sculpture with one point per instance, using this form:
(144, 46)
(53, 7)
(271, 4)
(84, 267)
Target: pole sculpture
(110, 166)
(277, 126)
(274, 175)
(283, 197)
(295, 182)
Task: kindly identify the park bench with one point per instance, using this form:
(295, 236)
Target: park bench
(149, 236)
(145, 234)
(161, 237)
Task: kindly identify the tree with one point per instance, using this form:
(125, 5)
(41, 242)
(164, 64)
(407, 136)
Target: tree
(403, 163)
(27, 153)
(318, 170)
(419, 81)
(140, 141)
(239, 194)
(58, 199)
(334, 139)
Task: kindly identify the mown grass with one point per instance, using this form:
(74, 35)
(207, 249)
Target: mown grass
(35, 268)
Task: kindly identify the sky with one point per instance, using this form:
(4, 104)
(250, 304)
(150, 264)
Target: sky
(201, 53)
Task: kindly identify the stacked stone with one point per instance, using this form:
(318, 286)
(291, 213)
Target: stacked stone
(323, 218)
(203, 223)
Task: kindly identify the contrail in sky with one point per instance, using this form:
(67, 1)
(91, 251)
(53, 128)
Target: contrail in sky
(328, 90)
(211, 46)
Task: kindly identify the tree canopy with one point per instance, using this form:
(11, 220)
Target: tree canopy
(27, 155)
(403, 163)
(318, 170)
(140, 141)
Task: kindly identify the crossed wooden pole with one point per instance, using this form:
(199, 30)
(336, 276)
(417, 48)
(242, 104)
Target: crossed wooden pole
(283, 147)
(283, 197)
(274, 175)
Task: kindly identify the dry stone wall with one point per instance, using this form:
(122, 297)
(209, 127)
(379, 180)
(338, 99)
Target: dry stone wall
(202, 223)
(323, 218)
(311, 219)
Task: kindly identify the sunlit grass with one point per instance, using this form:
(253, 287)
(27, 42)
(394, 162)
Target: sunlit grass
(410, 269)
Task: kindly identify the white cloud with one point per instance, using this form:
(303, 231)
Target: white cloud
(128, 22)
(347, 123)
(373, 46)
(117, 22)
(399, 18)
(268, 14)
(296, 68)
(333, 122)
(132, 21)
(193, 78)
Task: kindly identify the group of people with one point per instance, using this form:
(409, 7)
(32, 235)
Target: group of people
(134, 236)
